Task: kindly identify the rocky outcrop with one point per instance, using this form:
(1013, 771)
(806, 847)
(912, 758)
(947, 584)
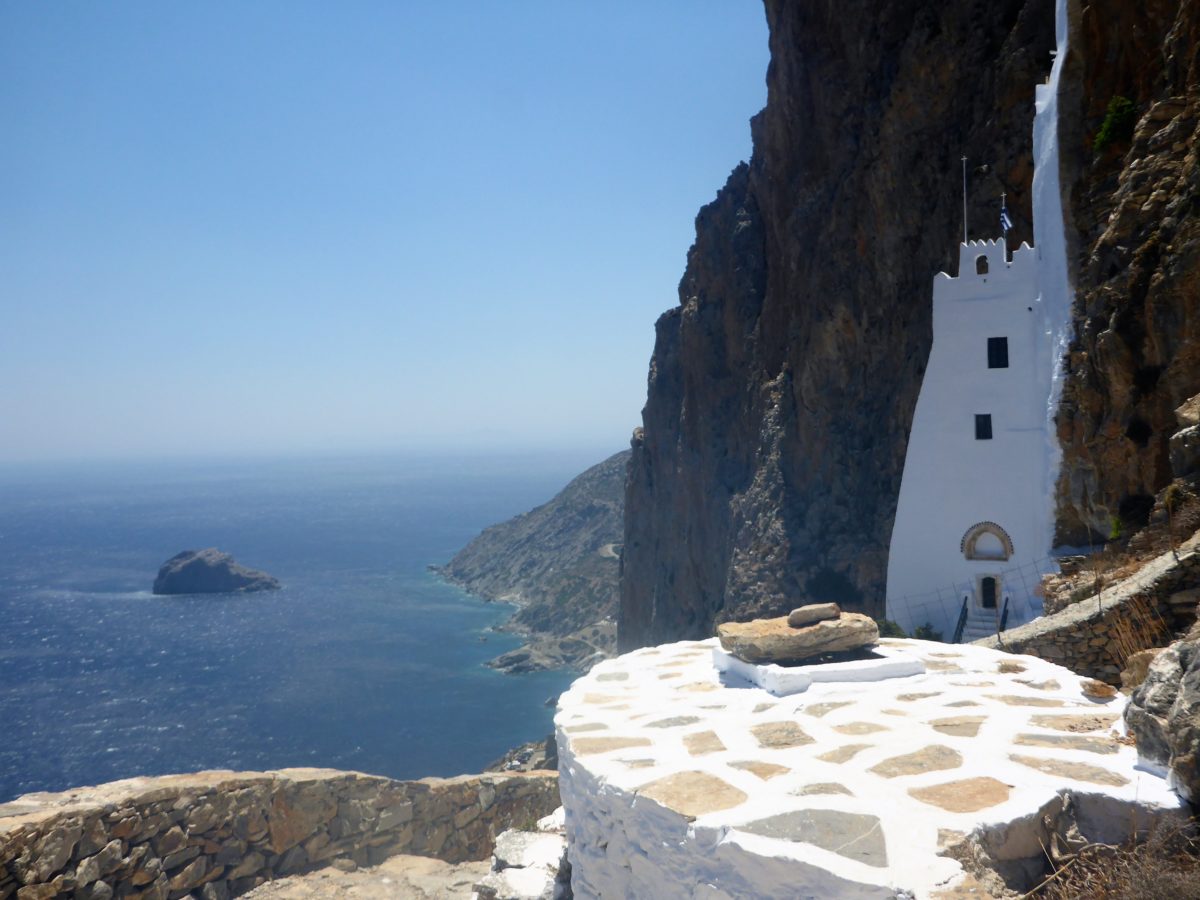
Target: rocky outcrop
(578, 650)
(210, 571)
(782, 387)
(1133, 199)
(782, 642)
(560, 565)
(1164, 715)
(529, 865)
(217, 834)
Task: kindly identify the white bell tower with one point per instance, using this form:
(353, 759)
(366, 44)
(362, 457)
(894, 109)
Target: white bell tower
(972, 508)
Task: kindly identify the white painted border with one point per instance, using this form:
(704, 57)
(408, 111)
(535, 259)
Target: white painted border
(781, 681)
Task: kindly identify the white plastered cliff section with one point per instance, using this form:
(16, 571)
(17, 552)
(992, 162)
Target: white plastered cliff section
(1049, 233)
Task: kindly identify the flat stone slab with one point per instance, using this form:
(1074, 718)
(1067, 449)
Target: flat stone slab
(585, 745)
(776, 641)
(847, 791)
(967, 795)
(1049, 684)
(1016, 700)
(674, 722)
(780, 734)
(822, 709)
(843, 754)
(1073, 770)
(763, 770)
(1068, 742)
(1085, 723)
(823, 788)
(702, 742)
(929, 759)
(853, 835)
(693, 794)
(958, 726)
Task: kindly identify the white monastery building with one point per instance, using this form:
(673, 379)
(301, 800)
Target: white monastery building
(971, 514)
(974, 521)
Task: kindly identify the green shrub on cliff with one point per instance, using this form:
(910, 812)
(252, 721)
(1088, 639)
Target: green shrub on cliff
(1117, 126)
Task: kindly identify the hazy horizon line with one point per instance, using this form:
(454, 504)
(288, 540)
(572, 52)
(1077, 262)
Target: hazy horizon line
(426, 452)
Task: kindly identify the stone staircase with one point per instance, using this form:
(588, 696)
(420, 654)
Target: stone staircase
(981, 623)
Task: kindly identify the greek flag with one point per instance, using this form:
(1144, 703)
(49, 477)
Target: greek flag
(1005, 219)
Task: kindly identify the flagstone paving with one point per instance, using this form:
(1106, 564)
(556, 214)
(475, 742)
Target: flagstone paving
(1075, 723)
(818, 778)
(693, 793)
(702, 742)
(968, 795)
(1069, 742)
(780, 734)
(856, 836)
(928, 759)
(824, 787)
(958, 726)
(763, 770)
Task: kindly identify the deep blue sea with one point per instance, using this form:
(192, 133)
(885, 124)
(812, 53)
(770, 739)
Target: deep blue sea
(365, 660)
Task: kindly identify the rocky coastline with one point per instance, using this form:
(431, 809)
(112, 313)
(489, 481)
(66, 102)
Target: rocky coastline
(559, 566)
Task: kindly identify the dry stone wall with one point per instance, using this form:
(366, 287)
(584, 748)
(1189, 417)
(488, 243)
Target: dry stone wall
(1097, 635)
(218, 834)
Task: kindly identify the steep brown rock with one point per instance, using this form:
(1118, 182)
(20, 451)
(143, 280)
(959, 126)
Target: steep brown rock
(1134, 203)
(782, 387)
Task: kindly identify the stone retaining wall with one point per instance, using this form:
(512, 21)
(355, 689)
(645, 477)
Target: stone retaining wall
(1095, 636)
(218, 834)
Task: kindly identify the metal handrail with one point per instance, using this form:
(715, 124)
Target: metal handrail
(962, 623)
(1003, 617)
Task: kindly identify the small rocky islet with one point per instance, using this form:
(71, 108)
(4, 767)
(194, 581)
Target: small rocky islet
(210, 571)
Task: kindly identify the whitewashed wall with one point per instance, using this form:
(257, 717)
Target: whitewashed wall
(953, 481)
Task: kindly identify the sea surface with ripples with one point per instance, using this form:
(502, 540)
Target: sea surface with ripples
(364, 660)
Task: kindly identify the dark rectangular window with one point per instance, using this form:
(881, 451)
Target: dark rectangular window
(998, 353)
(983, 428)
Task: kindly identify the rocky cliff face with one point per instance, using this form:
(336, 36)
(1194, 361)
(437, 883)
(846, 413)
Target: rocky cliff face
(1134, 204)
(782, 387)
(560, 564)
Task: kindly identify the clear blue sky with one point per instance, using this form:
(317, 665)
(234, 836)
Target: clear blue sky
(291, 227)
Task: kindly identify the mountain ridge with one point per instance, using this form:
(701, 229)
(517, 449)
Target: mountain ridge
(559, 565)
